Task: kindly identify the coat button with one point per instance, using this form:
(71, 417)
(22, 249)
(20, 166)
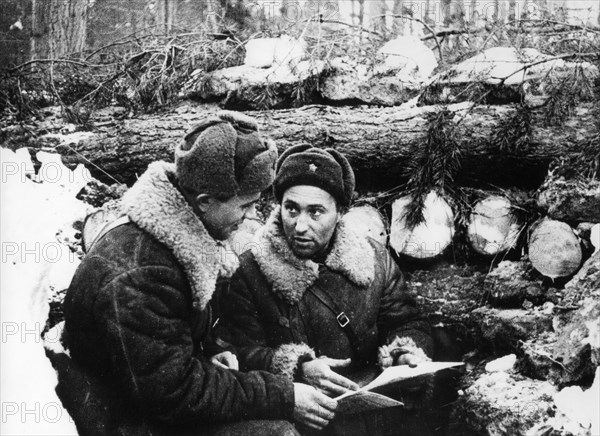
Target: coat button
(284, 322)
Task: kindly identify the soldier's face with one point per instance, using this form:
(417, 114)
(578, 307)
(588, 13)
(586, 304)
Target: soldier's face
(309, 216)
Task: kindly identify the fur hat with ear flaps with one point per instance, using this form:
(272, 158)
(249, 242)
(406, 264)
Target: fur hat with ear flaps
(324, 168)
(224, 156)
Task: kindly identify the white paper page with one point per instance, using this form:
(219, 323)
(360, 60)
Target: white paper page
(361, 401)
(404, 372)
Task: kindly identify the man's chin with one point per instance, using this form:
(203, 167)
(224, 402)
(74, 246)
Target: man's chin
(303, 252)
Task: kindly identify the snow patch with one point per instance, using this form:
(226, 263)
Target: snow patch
(267, 52)
(408, 52)
(35, 263)
(502, 364)
(595, 237)
(581, 406)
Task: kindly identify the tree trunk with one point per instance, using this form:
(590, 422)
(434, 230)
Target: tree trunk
(398, 23)
(210, 17)
(166, 13)
(377, 141)
(376, 12)
(59, 28)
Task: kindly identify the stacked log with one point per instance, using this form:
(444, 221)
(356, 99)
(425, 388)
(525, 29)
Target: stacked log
(493, 227)
(554, 249)
(367, 221)
(427, 239)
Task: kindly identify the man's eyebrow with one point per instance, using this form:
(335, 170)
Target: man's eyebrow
(309, 206)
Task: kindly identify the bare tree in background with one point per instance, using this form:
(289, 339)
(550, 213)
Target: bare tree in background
(166, 13)
(58, 28)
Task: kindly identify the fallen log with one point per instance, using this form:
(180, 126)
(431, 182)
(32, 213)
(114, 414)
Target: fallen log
(377, 141)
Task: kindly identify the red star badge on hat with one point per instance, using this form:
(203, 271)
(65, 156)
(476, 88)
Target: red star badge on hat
(312, 168)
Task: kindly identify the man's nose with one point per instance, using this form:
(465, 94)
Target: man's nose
(251, 213)
(301, 224)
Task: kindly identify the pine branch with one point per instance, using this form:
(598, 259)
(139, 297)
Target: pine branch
(433, 164)
(514, 132)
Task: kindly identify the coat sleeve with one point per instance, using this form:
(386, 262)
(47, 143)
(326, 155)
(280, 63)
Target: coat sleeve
(400, 320)
(242, 328)
(145, 317)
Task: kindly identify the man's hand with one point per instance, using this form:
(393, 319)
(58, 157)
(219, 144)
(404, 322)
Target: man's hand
(311, 407)
(318, 373)
(411, 360)
(226, 360)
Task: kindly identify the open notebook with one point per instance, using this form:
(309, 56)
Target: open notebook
(365, 399)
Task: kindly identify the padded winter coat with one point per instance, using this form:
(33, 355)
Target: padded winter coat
(137, 316)
(275, 320)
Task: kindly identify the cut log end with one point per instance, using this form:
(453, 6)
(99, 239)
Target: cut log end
(428, 239)
(493, 227)
(367, 221)
(554, 249)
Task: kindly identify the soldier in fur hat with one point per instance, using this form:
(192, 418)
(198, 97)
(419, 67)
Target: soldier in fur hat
(137, 316)
(318, 303)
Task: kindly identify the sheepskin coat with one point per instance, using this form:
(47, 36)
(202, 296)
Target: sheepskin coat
(137, 319)
(275, 322)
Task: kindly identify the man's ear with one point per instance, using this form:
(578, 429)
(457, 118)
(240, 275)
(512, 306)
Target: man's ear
(341, 211)
(203, 202)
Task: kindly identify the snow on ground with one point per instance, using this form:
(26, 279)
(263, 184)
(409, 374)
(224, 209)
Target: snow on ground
(38, 211)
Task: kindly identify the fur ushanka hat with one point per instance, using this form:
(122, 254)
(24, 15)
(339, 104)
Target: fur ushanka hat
(324, 168)
(224, 156)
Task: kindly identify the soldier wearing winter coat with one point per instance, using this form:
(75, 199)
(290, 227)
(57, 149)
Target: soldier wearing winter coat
(316, 302)
(137, 312)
